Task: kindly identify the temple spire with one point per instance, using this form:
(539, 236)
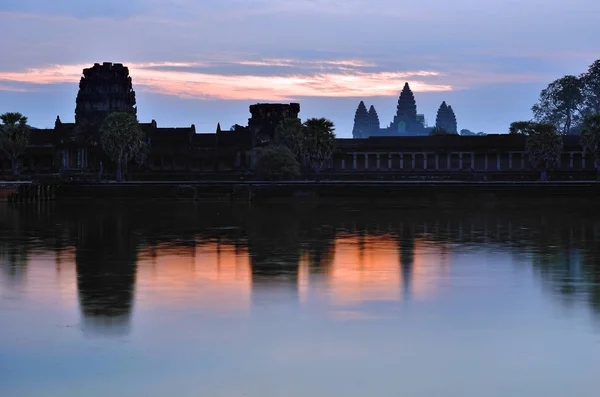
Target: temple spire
(446, 119)
(373, 121)
(452, 120)
(361, 122)
(218, 128)
(406, 112)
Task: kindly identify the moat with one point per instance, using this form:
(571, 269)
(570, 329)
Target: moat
(190, 299)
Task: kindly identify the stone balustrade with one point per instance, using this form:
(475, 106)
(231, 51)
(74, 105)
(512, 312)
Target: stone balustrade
(456, 161)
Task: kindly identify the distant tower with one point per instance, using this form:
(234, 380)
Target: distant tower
(452, 121)
(446, 119)
(104, 89)
(361, 122)
(373, 121)
(406, 111)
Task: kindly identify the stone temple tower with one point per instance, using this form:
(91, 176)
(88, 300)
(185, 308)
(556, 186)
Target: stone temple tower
(406, 111)
(103, 89)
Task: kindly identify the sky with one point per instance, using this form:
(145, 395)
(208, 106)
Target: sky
(204, 62)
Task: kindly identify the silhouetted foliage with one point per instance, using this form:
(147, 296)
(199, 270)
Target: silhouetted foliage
(319, 142)
(436, 131)
(561, 104)
(591, 89)
(290, 133)
(521, 127)
(14, 137)
(544, 146)
(590, 138)
(276, 162)
(123, 140)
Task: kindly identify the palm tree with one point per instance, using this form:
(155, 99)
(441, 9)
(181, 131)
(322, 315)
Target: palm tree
(14, 136)
(318, 143)
(122, 139)
(590, 139)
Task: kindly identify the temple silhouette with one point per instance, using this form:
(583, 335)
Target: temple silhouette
(402, 150)
(407, 122)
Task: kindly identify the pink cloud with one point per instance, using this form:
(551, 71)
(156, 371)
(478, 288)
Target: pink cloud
(16, 89)
(191, 84)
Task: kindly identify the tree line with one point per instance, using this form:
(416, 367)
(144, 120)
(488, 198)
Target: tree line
(569, 105)
(567, 101)
(296, 144)
(121, 137)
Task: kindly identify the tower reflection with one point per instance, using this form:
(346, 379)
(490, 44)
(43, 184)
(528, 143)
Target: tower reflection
(106, 259)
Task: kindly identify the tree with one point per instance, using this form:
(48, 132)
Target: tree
(521, 127)
(590, 139)
(14, 136)
(544, 145)
(273, 161)
(290, 133)
(319, 142)
(122, 139)
(466, 132)
(437, 131)
(591, 89)
(560, 104)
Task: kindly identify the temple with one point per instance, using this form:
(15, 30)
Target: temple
(402, 150)
(407, 122)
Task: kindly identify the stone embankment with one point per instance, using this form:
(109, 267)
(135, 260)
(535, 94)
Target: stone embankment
(418, 193)
(26, 191)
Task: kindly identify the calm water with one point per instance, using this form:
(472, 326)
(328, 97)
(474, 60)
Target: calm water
(189, 299)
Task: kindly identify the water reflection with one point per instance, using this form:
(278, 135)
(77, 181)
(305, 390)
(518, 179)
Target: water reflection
(106, 261)
(227, 258)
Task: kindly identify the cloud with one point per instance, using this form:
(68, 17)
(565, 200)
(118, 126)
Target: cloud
(199, 85)
(348, 64)
(77, 8)
(12, 88)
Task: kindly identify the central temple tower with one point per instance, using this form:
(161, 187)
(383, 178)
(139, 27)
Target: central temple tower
(406, 121)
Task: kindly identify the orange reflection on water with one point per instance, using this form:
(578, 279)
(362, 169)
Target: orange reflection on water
(217, 275)
(46, 277)
(304, 278)
(369, 268)
(364, 268)
(209, 275)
